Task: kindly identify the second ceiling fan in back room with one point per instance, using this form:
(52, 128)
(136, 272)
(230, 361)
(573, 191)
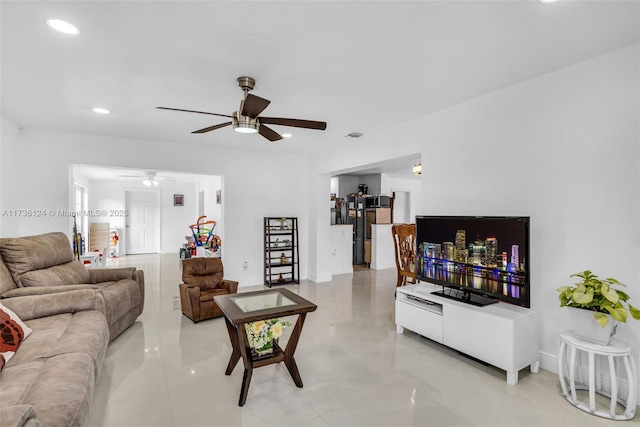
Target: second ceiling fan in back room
(248, 120)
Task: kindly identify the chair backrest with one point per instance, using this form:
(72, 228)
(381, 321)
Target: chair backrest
(404, 242)
(205, 273)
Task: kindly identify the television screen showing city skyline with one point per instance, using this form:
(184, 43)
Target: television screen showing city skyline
(482, 255)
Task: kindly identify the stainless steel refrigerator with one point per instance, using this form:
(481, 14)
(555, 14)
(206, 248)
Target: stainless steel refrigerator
(356, 215)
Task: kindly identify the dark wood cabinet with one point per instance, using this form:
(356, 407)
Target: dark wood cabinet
(281, 251)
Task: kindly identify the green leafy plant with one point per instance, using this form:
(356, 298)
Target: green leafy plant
(283, 222)
(599, 296)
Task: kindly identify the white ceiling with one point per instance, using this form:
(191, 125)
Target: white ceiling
(361, 66)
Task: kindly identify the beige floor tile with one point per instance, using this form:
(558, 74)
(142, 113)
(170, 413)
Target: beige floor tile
(167, 371)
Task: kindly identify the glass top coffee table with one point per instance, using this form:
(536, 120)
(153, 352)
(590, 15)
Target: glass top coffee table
(240, 309)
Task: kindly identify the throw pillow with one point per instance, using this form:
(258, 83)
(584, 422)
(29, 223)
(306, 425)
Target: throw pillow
(12, 332)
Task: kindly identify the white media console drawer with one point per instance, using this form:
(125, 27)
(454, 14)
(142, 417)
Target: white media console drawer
(501, 334)
(420, 317)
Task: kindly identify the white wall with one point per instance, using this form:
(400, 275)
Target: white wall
(413, 186)
(8, 132)
(9, 186)
(563, 149)
(335, 186)
(35, 174)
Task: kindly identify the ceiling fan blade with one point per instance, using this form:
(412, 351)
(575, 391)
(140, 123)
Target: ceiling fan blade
(210, 128)
(254, 105)
(193, 111)
(307, 124)
(269, 133)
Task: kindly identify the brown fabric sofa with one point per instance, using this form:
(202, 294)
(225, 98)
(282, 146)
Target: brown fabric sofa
(203, 279)
(51, 378)
(45, 264)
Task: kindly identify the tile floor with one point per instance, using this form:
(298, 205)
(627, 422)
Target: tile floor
(167, 371)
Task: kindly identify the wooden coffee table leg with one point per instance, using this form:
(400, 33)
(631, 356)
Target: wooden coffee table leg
(289, 361)
(245, 352)
(235, 353)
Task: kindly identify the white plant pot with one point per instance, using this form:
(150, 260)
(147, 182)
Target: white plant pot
(585, 326)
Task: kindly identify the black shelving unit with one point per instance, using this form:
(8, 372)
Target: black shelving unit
(281, 252)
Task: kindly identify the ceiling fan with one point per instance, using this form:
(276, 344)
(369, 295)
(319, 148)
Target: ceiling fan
(248, 120)
(150, 179)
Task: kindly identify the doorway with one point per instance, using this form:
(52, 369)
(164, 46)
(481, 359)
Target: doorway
(142, 224)
(401, 207)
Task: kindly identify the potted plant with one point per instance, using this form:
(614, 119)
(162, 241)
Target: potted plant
(283, 223)
(597, 298)
(283, 258)
(276, 242)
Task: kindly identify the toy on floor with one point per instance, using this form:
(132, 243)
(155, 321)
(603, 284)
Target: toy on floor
(202, 240)
(114, 244)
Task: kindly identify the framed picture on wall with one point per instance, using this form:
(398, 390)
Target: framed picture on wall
(219, 197)
(178, 200)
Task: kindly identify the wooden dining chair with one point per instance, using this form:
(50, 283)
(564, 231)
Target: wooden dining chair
(404, 242)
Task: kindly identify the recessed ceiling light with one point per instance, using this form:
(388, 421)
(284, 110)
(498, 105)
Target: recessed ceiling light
(63, 27)
(286, 135)
(100, 110)
(548, 1)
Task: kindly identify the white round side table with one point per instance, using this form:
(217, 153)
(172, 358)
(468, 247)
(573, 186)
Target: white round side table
(616, 350)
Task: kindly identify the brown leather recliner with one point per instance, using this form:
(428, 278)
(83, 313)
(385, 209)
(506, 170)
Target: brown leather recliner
(203, 279)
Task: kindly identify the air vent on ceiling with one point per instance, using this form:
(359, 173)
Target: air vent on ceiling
(354, 135)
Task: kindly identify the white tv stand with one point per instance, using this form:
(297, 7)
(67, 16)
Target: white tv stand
(504, 335)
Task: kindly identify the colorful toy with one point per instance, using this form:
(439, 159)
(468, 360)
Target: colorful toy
(114, 244)
(202, 236)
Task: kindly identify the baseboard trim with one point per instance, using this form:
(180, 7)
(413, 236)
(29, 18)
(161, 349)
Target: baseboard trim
(316, 278)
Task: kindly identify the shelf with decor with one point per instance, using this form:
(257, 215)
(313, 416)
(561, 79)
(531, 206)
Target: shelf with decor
(281, 251)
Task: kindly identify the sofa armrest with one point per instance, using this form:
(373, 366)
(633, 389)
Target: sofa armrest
(43, 290)
(36, 306)
(18, 416)
(138, 276)
(230, 285)
(99, 275)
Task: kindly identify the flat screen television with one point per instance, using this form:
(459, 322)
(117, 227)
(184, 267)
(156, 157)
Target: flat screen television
(478, 260)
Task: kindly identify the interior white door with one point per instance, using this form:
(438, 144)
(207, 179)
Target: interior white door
(142, 222)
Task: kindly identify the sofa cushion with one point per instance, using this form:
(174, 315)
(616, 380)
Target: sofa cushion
(12, 332)
(16, 380)
(82, 332)
(208, 295)
(33, 255)
(19, 415)
(71, 273)
(62, 391)
(120, 297)
(6, 280)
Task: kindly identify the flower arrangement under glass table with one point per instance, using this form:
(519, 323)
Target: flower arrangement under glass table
(263, 333)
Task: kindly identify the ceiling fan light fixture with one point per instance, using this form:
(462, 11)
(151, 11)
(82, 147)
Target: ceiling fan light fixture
(150, 182)
(417, 169)
(63, 27)
(244, 124)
